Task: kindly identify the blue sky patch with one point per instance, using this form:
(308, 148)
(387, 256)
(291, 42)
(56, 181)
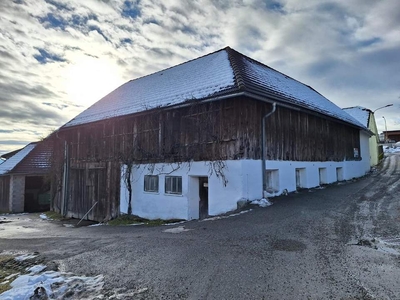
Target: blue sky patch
(126, 41)
(367, 43)
(275, 6)
(46, 57)
(53, 21)
(58, 5)
(130, 10)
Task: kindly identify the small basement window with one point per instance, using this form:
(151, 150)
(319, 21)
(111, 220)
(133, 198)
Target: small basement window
(272, 180)
(339, 174)
(151, 183)
(322, 176)
(173, 185)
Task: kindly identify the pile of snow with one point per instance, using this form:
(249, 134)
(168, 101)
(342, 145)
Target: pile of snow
(53, 285)
(392, 149)
(262, 202)
(44, 217)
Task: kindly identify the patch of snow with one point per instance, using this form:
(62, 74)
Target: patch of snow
(11, 276)
(179, 229)
(44, 217)
(391, 149)
(69, 225)
(225, 217)
(98, 224)
(136, 224)
(261, 202)
(36, 269)
(176, 223)
(55, 285)
(25, 257)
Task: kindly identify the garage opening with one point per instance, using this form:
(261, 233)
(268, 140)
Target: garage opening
(37, 194)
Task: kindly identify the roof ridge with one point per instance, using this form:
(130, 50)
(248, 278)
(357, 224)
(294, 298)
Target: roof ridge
(174, 66)
(232, 57)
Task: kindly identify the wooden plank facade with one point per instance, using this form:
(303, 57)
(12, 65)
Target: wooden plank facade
(221, 130)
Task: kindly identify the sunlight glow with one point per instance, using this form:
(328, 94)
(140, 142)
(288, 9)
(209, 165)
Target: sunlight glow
(90, 79)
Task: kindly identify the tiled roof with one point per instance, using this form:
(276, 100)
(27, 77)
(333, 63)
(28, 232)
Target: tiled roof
(14, 160)
(359, 113)
(225, 72)
(32, 159)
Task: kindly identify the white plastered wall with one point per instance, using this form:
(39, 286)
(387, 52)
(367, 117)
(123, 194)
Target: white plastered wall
(243, 181)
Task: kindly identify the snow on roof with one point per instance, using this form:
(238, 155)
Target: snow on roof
(361, 114)
(14, 160)
(265, 79)
(195, 79)
(224, 72)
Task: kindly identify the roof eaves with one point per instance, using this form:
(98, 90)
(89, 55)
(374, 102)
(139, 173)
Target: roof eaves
(283, 101)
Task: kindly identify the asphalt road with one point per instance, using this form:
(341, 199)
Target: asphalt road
(338, 242)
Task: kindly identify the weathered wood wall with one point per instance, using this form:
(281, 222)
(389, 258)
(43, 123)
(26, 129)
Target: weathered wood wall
(4, 193)
(228, 129)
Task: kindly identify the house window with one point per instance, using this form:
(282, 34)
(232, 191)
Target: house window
(173, 185)
(151, 183)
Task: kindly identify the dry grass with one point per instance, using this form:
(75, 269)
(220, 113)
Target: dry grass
(131, 220)
(5, 271)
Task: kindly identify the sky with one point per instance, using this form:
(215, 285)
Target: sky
(57, 57)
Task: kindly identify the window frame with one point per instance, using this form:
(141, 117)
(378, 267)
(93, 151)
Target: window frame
(148, 181)
(173, 185)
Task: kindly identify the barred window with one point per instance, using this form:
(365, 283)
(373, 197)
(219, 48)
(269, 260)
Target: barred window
(151, 183)
(173, 185)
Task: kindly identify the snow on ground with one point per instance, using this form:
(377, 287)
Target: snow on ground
(262, 202)
(178, 229)
(25, 257)
(44, 217)
(391, 149)
(224, 217)
(53, 285)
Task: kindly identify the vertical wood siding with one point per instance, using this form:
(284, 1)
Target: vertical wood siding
(221, 130)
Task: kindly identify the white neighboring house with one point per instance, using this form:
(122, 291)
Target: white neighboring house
(367, 118)
(194, 133)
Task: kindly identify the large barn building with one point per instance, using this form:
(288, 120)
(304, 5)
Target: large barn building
(194, 139)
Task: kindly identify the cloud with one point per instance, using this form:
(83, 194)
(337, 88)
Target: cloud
(346, 50)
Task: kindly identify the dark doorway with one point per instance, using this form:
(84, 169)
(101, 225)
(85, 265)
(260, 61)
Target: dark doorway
(203, 194)
(37, 194)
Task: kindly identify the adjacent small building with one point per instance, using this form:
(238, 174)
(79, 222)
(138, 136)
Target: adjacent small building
(194, 139)
(24, 181)
(366, 117)
(392, 135)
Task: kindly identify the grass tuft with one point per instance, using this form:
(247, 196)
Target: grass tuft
(6, 270)
(131, 220)
(54, 215)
